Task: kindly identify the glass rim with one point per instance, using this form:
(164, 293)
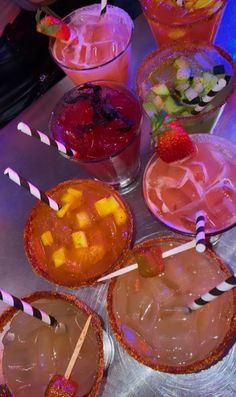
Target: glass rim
(104, 82)
(74, 69)
(187, 45)
(161, 220)
(181, 24)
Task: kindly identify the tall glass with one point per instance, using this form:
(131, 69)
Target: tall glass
(100, 48)
(170, 22)
(102, 122)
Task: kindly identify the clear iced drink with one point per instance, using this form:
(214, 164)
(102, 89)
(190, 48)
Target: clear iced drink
(174, 192)
(34, 352)
(195, 20)
(100, 46)
(188, 72)
(147, 317)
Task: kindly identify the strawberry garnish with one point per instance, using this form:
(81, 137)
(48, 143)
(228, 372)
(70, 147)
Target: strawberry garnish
(53, 27)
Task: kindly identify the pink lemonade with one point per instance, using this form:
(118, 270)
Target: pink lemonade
(196, 20)
(101, 121)
(100, 46)
(174, 192)
(147, 316)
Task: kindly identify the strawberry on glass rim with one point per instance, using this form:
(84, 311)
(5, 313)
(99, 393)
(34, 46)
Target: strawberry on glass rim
(53, 27)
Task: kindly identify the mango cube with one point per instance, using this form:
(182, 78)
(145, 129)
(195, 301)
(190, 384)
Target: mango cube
(67, 198)
(79, 239)
(83, 219)
(59, 257)
(63, 210)
(75, 192)
(106, 206)
(120, 216)
(47, 238)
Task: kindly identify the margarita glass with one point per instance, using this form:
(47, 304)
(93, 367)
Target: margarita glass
(32, 352)
(189, 72)
(146, 313)
(195, 20)
(206, 181)
(102, 122)
(100, 48)
(82, 241)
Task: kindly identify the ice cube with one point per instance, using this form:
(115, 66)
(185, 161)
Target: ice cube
(220, 200)
(199, 172)
(102, 52)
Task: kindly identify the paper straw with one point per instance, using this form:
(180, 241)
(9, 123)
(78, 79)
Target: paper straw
(127, 269)
(220, 289)
(45, 139)
(200, 232)
(25, 307)
(19, 180)
(103, 7)
(221, 83)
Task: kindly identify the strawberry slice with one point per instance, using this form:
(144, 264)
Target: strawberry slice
(53, 27)
(150, 261)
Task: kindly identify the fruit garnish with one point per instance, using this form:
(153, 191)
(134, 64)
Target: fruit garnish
(59, 257)
(63, 210)
(106, 206)
(119, 216)
(79, 239)
(47, 238)
(150, 261)
(53, 27)
(83, 219)
(59, 386)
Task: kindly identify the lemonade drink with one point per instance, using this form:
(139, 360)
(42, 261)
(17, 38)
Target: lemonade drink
(174, 192)
(100, 47)
(34, 352)
(147, 316)
(195, 20)
(84, 239)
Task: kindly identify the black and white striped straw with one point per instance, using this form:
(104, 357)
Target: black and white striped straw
(221, 83)
(220, 289)
(25, 307)
(19, 180)
(26, 129)
(103, 7)
(200, 232)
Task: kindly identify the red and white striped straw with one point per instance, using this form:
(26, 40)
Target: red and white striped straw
(200, 232)
(19, 180)
(220, 289)
(25, 307)
(26, 129)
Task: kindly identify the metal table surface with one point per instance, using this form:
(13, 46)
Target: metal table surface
(45, 167)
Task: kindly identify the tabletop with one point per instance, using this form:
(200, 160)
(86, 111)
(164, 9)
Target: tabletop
(44, 167)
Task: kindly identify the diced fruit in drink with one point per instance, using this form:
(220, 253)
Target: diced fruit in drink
(209, 81)
(83, 219)
(79, 239)
(150, 109)
(171, 106)
(47, 238)
(158, 102)
(106, 206)
(59, 386)
(71, 196)
(112, 204)
(63, 210)
(59, 257)
(150, 261)
(181, 62)
(120, 216)
(75, 192)
(202, 3)
(160, 89)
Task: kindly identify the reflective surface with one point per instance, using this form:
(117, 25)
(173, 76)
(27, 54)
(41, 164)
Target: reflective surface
(44, 167)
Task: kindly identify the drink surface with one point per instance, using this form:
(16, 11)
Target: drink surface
(84, 239)
(38, 352)
(146, 312)
(174, 192)
(98, 121)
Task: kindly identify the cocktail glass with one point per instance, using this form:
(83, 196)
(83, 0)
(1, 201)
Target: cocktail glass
(205, 181)
(85, 239)
(102, 122)
(102, 50)
(32, 352)
(172, 23)
(158, 67)
(147, 313)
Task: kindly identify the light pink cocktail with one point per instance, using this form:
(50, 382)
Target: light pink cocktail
(205, 181)
(100, 46)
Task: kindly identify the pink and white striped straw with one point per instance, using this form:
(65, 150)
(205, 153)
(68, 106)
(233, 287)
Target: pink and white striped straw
(103, 7)
(26, 129)
(19, 180)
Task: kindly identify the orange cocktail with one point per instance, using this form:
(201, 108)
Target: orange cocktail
(100, 47)
(206, 180)
(195, 20)
(147, 313)
(84, 239)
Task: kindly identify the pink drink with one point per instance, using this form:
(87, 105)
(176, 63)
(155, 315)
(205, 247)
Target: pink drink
(207, 180)
(170, 22)
(100, 47)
